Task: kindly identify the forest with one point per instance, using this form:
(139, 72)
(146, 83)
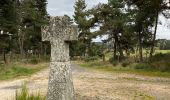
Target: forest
(131, 28)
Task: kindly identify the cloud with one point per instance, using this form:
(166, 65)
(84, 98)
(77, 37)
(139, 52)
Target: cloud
(163, 32)
(91, 3)
(62, 7)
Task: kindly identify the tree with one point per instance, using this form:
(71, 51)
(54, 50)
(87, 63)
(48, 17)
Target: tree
(21, 23)
(85, 23)
(32, 18)
(158, 6)
(111, 19)
(144, 21)
(151, 10)
(7, 25)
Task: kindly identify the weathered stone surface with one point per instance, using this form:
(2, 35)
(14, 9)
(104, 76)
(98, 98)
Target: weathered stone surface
(60, 83)
(59, 33)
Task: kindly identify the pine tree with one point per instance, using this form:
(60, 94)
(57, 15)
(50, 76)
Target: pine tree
(147, 16)
(32, 18)
(112, 21)
(84, 24)
(7, 25)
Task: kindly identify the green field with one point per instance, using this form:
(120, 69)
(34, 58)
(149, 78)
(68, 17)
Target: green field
(16, 70)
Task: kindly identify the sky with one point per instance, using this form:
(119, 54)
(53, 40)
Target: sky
(66, 7)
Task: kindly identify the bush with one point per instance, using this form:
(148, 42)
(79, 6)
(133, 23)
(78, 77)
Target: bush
(74, 58)
(125, 63)
(113, 61)
(142, 66)
(161, 62)
(161, 66)
(24, 95)
(34, 60)
(91, 58)
(160, 57)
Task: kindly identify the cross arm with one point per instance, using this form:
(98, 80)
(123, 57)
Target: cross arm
(72, 33)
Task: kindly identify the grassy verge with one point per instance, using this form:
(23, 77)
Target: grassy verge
(106, 66)
(15, 70)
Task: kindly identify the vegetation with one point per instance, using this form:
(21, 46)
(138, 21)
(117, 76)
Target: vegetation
(131, 27)
(21, 48)
(131, 47)
(135, 68)
(16, 70)
(20, 28)
(24, 95)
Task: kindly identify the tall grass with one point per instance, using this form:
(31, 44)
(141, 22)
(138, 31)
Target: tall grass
(24, 95)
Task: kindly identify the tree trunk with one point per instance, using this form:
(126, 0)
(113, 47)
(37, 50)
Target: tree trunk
(21, 43)
(140, 48)
(104, 57)
(4, 56)
(87, 49)
(121, 55)
(115, 49)
(154, 35)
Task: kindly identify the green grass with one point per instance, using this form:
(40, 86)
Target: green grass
(18, 70)
(105, 66)
(162, 51)
(25, 95)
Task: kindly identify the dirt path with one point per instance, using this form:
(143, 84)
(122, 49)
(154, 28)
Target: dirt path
(95, 85)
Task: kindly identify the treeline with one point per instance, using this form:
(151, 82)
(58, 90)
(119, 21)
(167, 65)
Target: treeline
(163, 44)
(20, 28)
(131, 27)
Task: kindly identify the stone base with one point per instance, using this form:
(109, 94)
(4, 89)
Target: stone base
(60, 86)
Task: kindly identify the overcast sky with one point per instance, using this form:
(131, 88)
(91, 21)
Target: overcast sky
(62, 7)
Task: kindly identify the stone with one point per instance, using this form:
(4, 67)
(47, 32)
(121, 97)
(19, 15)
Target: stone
(60, 32)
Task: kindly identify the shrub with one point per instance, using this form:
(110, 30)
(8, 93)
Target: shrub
(160, 57)
(161, 65)
(91, 58)
(142, 66)
(24, 95)
(34, 60)
(74, 58)
(113, 61)
(125, 63)
(161, 62)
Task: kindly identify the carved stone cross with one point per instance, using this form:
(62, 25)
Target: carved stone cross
(59, 33)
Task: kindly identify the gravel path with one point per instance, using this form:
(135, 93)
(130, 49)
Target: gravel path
(95, 85)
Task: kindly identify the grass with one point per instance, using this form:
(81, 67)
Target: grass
(105, 66)
(25, 95)
(15, 70)
(162, 51)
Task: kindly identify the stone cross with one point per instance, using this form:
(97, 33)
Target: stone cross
(59, 33)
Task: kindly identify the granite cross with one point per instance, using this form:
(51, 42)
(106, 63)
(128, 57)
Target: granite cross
(59, 32)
